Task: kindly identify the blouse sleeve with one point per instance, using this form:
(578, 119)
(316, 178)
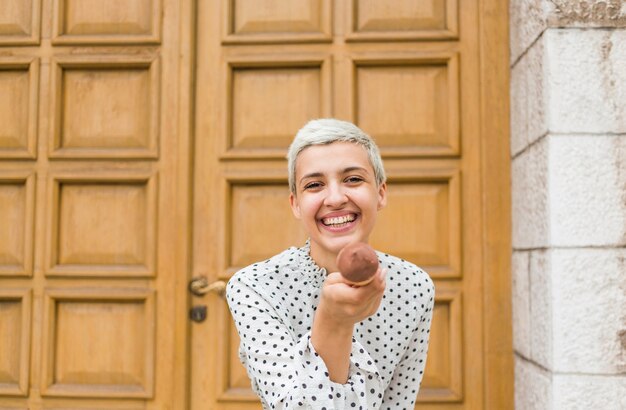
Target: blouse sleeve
(407, 377)
(288, 373)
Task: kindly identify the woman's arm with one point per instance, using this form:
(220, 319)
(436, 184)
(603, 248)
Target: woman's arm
(333, 342)
(341, 307)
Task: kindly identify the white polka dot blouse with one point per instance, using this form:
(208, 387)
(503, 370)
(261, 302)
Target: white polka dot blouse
(273, 304)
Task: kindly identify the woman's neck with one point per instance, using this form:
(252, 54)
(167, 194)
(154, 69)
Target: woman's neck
(324, 260)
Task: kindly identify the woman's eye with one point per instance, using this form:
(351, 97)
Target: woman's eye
(312, 185)
(354, 180)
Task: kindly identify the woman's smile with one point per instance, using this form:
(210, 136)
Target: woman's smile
(340, 223)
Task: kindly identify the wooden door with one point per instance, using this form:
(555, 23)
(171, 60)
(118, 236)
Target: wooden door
(427, 79)
(93, 188)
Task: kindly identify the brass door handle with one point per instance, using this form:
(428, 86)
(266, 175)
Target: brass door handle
(200, 286)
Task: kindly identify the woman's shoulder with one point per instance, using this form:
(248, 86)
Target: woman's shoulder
(397, 266)
(269, 268)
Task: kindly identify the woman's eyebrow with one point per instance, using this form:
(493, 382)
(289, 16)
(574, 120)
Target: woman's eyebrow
(350, 169)
(311, 175)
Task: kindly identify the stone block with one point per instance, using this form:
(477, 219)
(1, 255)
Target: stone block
(521, 303)
(537, 89)
(584, 392)
(529, 174)
(519, 107)
(527, 22)
(587, 190)
(533, 386)
(586, 80)
(589, 310)
(529, 98)
(541, 306)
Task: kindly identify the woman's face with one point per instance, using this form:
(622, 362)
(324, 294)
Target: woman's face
(336, 198)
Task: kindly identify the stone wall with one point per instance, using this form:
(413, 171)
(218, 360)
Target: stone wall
(568, 156)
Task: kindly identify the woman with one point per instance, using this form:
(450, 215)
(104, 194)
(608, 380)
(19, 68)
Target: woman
(308, 338)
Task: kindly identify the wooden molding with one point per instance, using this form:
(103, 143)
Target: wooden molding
(496, 204)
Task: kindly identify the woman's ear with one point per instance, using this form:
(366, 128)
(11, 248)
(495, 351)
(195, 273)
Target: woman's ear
(295, 207)
(382, 196)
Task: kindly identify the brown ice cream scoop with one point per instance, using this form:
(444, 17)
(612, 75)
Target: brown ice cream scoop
(358, 263)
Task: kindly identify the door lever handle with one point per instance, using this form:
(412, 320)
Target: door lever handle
(200, 286)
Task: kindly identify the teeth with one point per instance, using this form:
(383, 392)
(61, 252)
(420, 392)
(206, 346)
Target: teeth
(339, 220)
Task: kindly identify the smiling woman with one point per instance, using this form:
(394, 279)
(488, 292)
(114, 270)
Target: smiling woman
(309, 339)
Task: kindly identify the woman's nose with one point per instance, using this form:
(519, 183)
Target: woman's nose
(336, 195)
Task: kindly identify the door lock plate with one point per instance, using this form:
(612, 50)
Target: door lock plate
(198, 313)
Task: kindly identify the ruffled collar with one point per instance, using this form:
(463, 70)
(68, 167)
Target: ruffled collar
(307, 265)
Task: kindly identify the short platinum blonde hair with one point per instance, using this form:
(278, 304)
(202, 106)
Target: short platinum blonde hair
(325, 131)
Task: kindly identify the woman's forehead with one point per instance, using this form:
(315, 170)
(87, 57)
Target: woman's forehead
(332, 157)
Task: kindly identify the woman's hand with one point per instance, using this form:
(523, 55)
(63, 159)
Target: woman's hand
(344, 304)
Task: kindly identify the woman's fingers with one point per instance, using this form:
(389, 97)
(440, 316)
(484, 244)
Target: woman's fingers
(353, 303)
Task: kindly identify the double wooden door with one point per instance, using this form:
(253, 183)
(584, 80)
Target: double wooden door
(142, 144)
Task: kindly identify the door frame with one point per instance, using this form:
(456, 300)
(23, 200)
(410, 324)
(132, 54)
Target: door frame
(495, 165)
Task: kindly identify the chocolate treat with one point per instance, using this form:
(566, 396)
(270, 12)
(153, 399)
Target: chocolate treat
(358, 263)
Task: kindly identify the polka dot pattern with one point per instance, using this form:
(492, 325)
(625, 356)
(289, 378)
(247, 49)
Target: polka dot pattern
(273, 304)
